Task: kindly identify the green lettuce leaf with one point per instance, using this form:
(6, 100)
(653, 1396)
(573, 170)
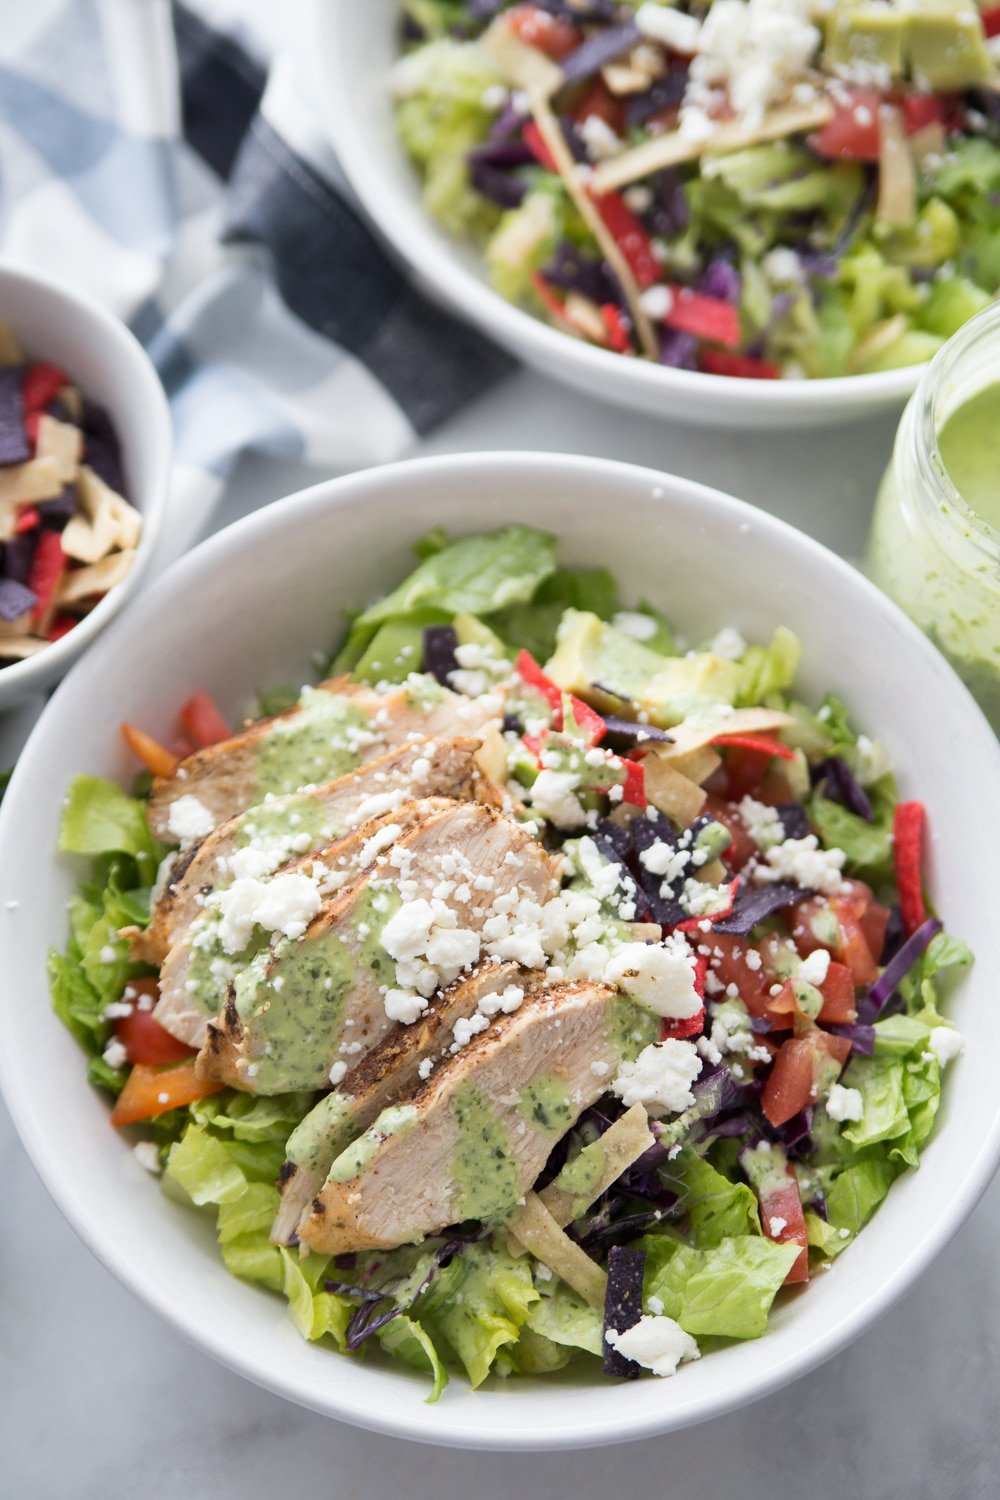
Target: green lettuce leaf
(879, 1080)
(857, 1192)
(99, 818)
(475, 575)
(313, 1311)
(769, 670)
(405, 1339)
(717, 1209)
(868, 846)
(478, 1305)
(564, 1318)
(725, 1291)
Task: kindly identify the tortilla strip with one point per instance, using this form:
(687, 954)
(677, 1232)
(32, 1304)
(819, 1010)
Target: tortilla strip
(62, 442)
(897, 173)
(672, 792)
(696, 736)
(538, 1232)
(21, 484)
(96, 578)
(673, 148)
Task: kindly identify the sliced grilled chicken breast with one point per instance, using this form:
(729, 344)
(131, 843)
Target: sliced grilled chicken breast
(334, 728)
(472, 1140)
(390, 1070)
(196, 972)
(300, 823)
(309, 1003)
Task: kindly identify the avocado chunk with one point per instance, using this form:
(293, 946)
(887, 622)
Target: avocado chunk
(947, 45)
(871, 35)
(609, 669)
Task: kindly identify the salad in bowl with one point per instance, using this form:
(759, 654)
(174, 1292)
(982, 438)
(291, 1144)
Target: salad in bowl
(760, 189)
(534, 986)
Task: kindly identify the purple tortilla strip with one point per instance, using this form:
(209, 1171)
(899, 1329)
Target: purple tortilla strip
(18, 555)
(440, 644)
(55, 513)
(15, 599)
(101, 449)
(14, 445)
(622, 1305)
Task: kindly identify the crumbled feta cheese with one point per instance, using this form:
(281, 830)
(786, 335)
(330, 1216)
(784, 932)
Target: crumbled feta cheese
(632, 622)
(404, 1006)
(751, 54)
(465, 1028)
(660, 1078)
(672, 27)
(115, 1054)
(601, 141)
(508, 1001)
(815, 966)
(553, 794)
(109, 954)
(338, 1073)
(660, 976)
(728, 644)
(805, 864)
(782, 266)
(656, 1342)
(762, 823)
(189, 820)
(286, 904)
(844, 1104)
(776, 1225)
(945, 1043)
(656, 302)
(147, 1155)
(425, 1068)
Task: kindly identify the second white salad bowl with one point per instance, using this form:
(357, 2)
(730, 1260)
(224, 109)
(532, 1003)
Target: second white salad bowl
(249, 609)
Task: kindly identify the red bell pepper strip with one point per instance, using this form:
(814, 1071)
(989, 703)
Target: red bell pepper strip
(151, 1091)
(705, 317)
(26, 521)
(40, 384)
(690, 1025)
(619, 338)
(600, 102)
(538, 28)
(535, 142)
(762, 742)
(553, 305)
(634, 785)
(31, 424)
(202, 722)
(154, 756)
(921, 110)
(531, 673)
(693, 924)
(588, 721)
(47, 568)
(631, 236)
(738, 366)
(909, 825)
(990, 18)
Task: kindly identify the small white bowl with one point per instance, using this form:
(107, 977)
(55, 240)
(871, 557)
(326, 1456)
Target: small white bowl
(248, 609)
(355, 48)
(63, 327)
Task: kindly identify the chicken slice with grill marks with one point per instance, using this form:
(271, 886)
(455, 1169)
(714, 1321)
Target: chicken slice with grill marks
(197, 971)
(302, 822)
(472, 1140)
(309, 1003)
(392, 1069)
(332, 729)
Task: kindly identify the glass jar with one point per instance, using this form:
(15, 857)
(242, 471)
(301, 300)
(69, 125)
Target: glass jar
(928, 549)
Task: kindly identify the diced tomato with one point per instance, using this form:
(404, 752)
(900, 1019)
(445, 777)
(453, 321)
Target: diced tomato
(742, 847)
(921, 110)
(838, 924)
(853, 131)
(775, 787)
(151, 1091)
(634, 785)
(631, 236)
(739, 366)
(990, 18)
(728, 962)
(202, 721)
(154, 756)
(782, 1208)
(40, 384)
(27, 520)
(693, 1026)
(600, 102)
(47, 568)
(705, 317)
(537, 28)
(873, 917)
(144, 1039)
(839, 1007)
(535, 142)
(61, 625)
(804, 1067)
(619, 338)
(908, 844)
(764, 744)
(531, 673)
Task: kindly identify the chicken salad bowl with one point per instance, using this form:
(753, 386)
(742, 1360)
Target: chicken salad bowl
(535, 997)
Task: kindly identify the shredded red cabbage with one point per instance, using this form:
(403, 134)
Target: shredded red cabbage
(598, 50)
(844, 787)
(898, 967)
(860, 1034)
(756, 904)
(630, 729)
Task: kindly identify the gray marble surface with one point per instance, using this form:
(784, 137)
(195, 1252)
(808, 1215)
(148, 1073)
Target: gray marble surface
(99, 1399)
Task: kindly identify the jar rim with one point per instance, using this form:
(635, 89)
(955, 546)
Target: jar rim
(939, 497)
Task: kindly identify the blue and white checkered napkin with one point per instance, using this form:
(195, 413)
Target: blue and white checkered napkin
(158, 163)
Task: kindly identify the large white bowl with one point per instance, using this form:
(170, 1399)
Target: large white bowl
(64, 327)
(249, 608)
(355, 48)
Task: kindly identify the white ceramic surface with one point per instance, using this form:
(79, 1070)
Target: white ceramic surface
(248, 608)
(64, 327)
(356, 46)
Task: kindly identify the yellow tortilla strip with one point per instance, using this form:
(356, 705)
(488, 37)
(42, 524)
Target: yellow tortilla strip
(697, 765)
(98, 578)
(700, 733)
(897, 173)
(11, 352)
(62, 442)
(672, 149)
(551, 133)
(525, 67)
(538, 1232)
(23, 484)
(19, 648)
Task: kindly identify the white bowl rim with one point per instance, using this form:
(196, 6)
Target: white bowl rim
(981, 1162)
(412, 236)
(16, 677)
